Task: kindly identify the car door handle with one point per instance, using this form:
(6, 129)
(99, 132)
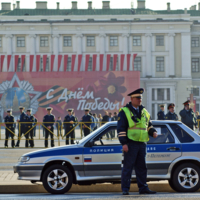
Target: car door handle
(173, 149)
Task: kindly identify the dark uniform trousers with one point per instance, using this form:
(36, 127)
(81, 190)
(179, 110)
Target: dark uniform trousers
(134, 159)
(8, 133)
(22, 128)
(86, 131)
(70, 135)
(47, 133)
(29, 137)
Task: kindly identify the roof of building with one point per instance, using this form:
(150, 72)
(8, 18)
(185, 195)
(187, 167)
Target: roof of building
(31, 12)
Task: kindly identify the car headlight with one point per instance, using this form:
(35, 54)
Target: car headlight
(24, 159)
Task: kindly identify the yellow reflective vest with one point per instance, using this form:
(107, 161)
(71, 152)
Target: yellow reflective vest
(137, 131)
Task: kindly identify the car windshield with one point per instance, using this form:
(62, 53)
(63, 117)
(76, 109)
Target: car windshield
(91, 134)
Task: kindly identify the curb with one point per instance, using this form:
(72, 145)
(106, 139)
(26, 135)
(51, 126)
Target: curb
(38, 188)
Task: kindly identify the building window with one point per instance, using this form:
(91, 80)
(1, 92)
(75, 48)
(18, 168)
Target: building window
(195, 91)
(160, 64)
(90, 64)
(44, 41)
(0, 41)
(136, 41)
(111, 64)
(67, 41)
(90, 41)
(160, 94)
(195, 65)
(69, 64)
(113, 41)
(195, 41)
(20, 41)
(137, 64)
(159, 40)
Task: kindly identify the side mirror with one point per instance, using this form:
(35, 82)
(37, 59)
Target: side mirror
(91, 143)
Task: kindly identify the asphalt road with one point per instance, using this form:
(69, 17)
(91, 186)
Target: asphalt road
(98, 196)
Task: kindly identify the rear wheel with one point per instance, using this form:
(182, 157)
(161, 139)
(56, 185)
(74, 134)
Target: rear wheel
(186, 178)
(57, 179)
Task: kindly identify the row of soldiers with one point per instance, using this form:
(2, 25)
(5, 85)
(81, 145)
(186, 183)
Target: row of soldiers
(188, 117)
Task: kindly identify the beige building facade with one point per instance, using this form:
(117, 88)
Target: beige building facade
(166, 44)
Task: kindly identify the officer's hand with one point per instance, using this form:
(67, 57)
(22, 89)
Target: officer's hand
(155, 135)
(125, 148)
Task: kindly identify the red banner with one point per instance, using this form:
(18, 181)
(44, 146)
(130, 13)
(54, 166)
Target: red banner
(31, 62)
(98, 91)
(73, 62)
(87, 58)
(59, 61)
(8, 61)
(115, 61)
(101, 62)
(22, 62)
(65, 62)
(122, 62)
(128, 61)
(44, 62)
(94, 62)
(52, 62)
(16, 62)
(108, 62)
(37, 63)
(2, 61)
(79, 62)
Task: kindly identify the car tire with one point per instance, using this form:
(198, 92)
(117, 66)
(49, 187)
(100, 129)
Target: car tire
(186, 178)
(171, 184)
(57, 179)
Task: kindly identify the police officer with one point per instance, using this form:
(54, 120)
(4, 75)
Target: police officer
(21, 124)
(49, 126)
(30, 119)
(161, 114)
(188, 117)
(171, 115)
(133, 128)
(69, 126)
(10, 128)
(87, 126)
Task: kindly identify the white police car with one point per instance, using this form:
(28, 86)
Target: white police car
(174, 156)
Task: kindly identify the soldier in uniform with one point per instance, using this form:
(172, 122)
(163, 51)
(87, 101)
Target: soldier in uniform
(21, 124)
(49, 126)
(87, 126)
(69, 133)
(10, 127)
(133, 128)
(30, 119)
(171, 115)
(188, 117)
(161, 114)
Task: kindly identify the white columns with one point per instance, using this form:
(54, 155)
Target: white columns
(102, 37)
(171, 54)
(125, 49)
(32, 44)
(148, 54)
(186, 55)
(55, 50)
(9, 44)
(79, 43)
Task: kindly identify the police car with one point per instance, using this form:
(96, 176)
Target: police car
(174, 156)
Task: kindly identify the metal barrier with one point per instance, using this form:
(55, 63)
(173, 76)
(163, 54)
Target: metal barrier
(29, 131)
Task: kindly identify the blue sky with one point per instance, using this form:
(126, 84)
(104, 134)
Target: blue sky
(151, 4)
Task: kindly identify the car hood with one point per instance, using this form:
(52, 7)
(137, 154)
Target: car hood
(56, 151)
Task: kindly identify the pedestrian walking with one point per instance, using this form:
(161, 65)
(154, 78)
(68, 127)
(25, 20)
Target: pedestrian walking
(59, 126)
(161, 114)
(48, 122)
(134, 127)
(88, 120)
(69, 124)
(30, 119)
(171, 115)
(21, 124)
(188, 117)
(10, 128)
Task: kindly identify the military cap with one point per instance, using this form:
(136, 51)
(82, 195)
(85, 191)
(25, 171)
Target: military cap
(137, 93)
(29, 109)
(9, 110)
(21, 107)
(171, 105)
(49, 108)
(186, 103)
(87, 109)
(70, 109)
(162, 105)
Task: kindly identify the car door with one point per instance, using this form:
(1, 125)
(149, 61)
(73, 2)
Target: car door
(104, 157)
(161, 151)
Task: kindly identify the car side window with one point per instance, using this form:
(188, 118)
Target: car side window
(182, 135)
(107, 138)
(164, 136)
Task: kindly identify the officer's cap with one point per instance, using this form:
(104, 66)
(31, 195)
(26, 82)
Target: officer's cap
(186, 103)
(162, 105)
(171, 105)
(9, 110)
(21, 107)
(49, 108)
(70, 109)
(137, 93)
(86, 109)
(29, 109)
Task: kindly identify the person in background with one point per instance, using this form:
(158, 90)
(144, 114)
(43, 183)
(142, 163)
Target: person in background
(188, 116)
(115, 117)
(198, 118)
(161, 114)
(59, 126)
(34, 131)
(171, 115)
(105, 118)
(87, 120)
(96, 121)
(93, 120)
(100, 119)
(111, 133)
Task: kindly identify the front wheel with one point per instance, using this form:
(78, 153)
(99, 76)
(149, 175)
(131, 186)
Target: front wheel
(57, 179)
(186, 178)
